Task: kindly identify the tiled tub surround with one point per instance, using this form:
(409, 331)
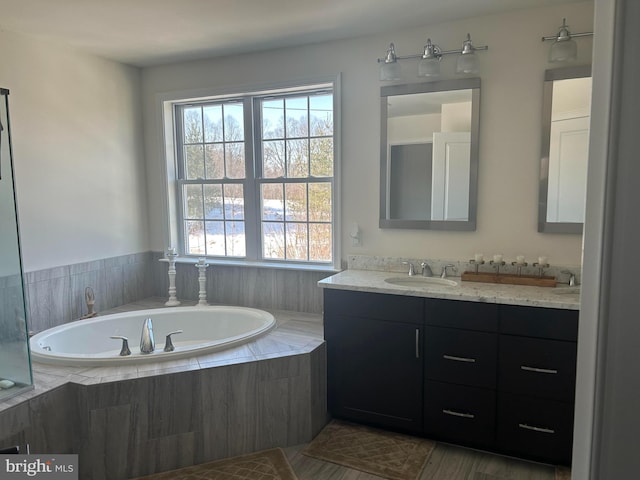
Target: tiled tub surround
(56, 295)
(134, 420)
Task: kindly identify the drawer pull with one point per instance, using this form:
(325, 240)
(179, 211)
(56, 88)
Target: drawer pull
(539, 370)
(459, 359)
(536, 429)
(417, 343)
(457, 414)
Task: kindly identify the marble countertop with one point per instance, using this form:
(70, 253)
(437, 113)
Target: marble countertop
(374, 281)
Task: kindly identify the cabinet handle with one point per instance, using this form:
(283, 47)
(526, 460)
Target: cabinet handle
(538, 370)
(457, 414)
(417, 343)
(536, 429)
(459, 359)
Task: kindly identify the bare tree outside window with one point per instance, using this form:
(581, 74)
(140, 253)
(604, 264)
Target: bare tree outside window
(290, 168)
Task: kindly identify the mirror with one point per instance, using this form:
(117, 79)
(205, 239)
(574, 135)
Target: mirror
(565, 144)
(429, 155)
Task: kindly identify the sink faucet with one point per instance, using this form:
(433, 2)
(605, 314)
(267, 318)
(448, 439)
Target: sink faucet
(444, 270)
(426, 270)
(572, 278)
(147, 343)
(412, 268)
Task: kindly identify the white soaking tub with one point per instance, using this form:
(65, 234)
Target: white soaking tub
(205, 329)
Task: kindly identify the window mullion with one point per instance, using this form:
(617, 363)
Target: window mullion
(251, 186)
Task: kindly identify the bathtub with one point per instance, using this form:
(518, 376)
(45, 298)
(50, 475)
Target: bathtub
(205, 329)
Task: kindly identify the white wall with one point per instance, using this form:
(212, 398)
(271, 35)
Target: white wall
(511, 106)
(77, 137)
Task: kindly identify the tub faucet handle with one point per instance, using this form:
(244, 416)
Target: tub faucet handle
(168, 344)
(125, 345)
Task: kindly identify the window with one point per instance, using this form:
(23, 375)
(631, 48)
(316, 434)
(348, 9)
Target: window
(255, 177)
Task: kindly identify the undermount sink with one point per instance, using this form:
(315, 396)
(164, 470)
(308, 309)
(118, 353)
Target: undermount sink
(566, 291)
(419, 281)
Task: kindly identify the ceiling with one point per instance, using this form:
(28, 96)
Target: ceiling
(152, 32)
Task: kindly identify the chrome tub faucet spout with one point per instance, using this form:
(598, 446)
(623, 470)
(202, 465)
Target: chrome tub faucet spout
(147, 342)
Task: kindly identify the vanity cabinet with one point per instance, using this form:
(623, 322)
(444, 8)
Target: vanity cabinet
(490, 376)
(461, 344)
(537, 374)
(374, 358)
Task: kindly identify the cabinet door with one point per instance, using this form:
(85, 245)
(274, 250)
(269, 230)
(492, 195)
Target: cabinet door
(374, 371)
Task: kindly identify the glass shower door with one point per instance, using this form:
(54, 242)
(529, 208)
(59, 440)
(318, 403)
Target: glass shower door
(15, 364)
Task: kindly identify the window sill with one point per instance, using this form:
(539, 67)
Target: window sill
(249, 264)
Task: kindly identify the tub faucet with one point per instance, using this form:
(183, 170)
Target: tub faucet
(147, 343)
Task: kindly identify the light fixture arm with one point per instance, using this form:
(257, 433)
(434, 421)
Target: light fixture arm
(564, 34)
(467, 47)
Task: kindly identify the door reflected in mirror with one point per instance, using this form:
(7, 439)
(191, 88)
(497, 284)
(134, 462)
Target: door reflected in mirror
(429, 155)
(565, 144)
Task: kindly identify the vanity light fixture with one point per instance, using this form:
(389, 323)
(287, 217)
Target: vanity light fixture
(429, 64)
(564, 48)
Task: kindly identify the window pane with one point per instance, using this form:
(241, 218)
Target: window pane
(236, 243)
(296, 241)
(320, 242)
(192, 124)
(296, 202)
(272, 201)
(273, 159)
(215, 238)
(233, 202)
(212, 123)
(213, 202)
(193, 201)
(322, 157)
(321, 115)
(214, 161)
(273, 240)
(233, 122)
(235, 160)
(320, 202)
(273, 118)
(195, 237)
(297, 158)
(194, 161)
(297, 117)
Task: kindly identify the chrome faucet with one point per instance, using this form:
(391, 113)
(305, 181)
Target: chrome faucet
(426, 270)
(147, 343)
(124, 351)
(412, 268)
(168, 344)
(444, 270)
(572, 278)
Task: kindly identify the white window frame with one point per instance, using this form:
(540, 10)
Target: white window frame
(172, 204)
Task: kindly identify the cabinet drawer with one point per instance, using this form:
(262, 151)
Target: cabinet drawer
(539, 322)
(394, 308)
(460, 314)
(537, 367)
(534, 428)
(461, 356)
(460, 414)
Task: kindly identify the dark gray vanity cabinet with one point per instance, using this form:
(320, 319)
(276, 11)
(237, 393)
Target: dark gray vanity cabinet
(536, 382)
(374, 358)
(461, 343)
(489, 376)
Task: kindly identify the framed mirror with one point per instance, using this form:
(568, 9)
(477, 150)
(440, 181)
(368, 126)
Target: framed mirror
(565, 143)
(429, 155)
